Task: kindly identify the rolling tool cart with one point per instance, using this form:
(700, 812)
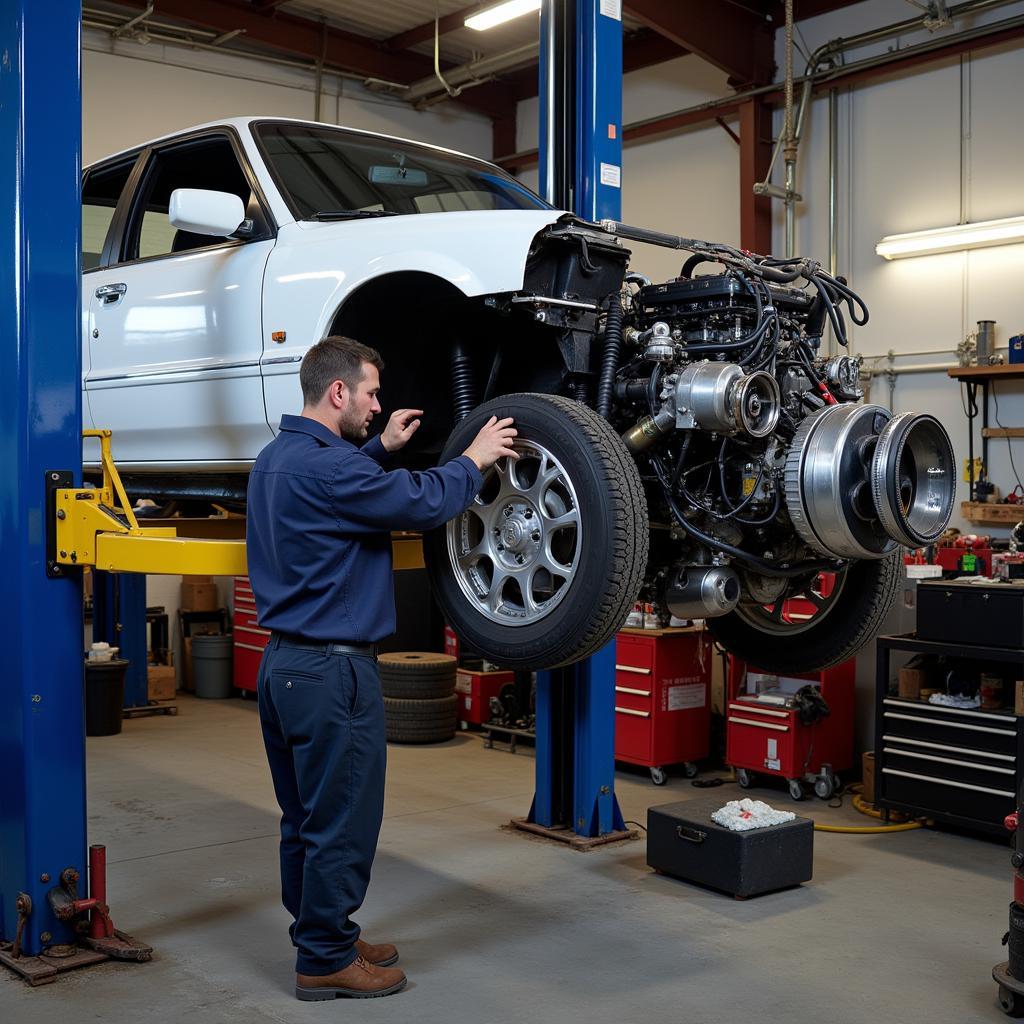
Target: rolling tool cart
(797, 728)
(662, 699)
(250, 637)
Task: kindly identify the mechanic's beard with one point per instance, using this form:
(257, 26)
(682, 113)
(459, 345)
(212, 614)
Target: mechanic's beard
(352, 426)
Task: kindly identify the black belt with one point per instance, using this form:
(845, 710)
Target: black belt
(322, 646)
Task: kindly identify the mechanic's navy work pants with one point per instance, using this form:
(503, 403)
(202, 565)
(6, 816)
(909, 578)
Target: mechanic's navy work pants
(323, 727)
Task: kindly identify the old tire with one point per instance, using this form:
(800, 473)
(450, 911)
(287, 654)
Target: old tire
(420, 721)
(417, 675)
(851, 619)
(549, 581)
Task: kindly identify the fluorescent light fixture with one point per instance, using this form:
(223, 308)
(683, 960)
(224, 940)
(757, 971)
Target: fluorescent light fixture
(952, 239)
(501, 13)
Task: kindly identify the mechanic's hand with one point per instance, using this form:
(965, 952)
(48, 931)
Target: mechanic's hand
(401, 426)
(492, 443)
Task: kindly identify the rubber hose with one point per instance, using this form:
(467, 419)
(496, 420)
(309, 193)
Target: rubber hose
(610, 359)
(865, 808)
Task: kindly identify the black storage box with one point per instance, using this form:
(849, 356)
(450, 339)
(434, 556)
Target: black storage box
(683, 841)
(987, 614)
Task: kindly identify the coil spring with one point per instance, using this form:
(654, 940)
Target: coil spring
(464, 393)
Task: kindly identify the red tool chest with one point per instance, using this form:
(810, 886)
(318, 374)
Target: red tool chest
(250, 639)
(475, 690)
(768, 738)
(662, 698)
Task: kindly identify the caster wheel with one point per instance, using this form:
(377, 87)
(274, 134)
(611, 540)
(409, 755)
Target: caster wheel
(796, 790)
(744, 779)
(824, 787)
(1007, 1001)
(690, 769)
(658, 776)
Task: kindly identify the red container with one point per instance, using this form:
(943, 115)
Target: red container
(475, 690)
(662, 696)
(770, 739)
(249, 638)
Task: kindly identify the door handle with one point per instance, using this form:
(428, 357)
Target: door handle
(108, 293)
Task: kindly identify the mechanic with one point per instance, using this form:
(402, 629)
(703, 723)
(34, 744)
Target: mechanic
(320, 508)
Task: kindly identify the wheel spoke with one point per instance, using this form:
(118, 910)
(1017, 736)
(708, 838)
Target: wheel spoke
(494, 599)
(482, 550)
(776, 611)
(546, 560)
(570, 518)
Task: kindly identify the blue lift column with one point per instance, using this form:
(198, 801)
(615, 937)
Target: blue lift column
(580, 170)
(42, 733)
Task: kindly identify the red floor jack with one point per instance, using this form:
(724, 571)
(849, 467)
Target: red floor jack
(1009, 975)
(100, 939)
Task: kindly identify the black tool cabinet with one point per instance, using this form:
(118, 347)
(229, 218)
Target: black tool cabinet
(958, 766)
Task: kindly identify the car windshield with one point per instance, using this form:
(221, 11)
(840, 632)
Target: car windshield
(328, 173)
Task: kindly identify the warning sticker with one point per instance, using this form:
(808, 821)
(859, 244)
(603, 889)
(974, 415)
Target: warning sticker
(691, 695)
(611, 174)
(612, 9)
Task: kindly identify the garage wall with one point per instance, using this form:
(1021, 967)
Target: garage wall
(686, 183)
(133, 93)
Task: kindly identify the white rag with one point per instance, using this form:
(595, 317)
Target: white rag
(743, 815)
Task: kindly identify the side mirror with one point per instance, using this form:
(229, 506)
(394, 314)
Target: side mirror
(204, 212)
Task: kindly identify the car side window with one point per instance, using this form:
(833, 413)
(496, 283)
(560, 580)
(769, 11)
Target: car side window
(101, 191)
(208, 163)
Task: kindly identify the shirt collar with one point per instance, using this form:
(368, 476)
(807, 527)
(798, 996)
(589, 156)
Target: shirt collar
(314, 428)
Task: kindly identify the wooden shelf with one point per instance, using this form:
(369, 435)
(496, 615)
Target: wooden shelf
(1003, 432)
(984, 514)
(1007, 371)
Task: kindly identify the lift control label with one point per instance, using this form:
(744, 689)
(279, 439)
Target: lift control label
(611, 174)
(612, 9)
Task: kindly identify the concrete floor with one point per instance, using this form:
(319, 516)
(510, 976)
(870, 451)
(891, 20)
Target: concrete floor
(495, 927)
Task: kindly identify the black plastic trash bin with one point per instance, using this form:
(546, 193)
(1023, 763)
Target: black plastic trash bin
(104, 696)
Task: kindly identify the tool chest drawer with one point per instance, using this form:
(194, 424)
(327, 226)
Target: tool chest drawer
(249, 637)
(975, 730)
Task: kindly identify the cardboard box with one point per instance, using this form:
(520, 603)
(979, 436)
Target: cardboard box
(1018, 705)
(914, 677)
(868, 768)
(199, 596)
(162, 682)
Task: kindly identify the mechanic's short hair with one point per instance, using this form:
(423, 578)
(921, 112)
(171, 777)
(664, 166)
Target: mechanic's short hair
(334, 358)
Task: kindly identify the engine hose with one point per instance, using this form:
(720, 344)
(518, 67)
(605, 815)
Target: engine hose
(695, 261)
(464, 394)
(610, 359)
(767, 568)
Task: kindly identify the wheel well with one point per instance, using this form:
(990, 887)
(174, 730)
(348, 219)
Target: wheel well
(414, 320)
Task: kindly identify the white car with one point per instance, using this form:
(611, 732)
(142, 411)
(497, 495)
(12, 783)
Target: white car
(214, 258)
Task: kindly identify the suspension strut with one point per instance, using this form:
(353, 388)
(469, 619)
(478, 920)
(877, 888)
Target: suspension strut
(464, 390)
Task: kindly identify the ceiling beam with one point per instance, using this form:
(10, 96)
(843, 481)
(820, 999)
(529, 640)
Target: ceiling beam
(425, 32)
(305, 38)
(803, 9)
(732, 38)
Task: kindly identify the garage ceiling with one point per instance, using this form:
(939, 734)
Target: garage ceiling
(391, 42)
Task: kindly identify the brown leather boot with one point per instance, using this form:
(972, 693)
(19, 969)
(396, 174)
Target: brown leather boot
(360, 980)
(382, 955)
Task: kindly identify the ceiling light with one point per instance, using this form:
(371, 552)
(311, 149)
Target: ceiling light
(952, 239)
(501, 13)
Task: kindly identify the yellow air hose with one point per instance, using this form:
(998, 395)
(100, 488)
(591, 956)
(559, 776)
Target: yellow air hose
(865, 808)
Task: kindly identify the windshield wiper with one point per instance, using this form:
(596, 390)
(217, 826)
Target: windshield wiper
(350, 214)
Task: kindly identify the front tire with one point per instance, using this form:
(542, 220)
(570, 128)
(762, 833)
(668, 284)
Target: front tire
(544, 566)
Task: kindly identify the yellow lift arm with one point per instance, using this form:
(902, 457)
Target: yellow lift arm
(96, 527)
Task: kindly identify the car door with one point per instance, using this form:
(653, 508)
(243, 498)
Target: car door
(175, 323)
(102, 189)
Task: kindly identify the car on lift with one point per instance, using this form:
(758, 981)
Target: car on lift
(685, 442)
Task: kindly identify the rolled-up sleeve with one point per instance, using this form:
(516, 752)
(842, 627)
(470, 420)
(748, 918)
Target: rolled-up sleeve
(366, 498)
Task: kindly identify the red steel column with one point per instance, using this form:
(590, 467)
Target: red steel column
(755, 154)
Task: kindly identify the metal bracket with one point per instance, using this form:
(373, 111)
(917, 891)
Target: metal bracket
(55, 481)
(96, 527)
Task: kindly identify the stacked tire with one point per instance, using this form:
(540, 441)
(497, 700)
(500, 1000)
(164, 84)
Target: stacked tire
(420, 705)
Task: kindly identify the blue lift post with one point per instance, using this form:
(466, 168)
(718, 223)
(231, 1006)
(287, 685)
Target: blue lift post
(119, 619)
(580, 170)
(42, 734)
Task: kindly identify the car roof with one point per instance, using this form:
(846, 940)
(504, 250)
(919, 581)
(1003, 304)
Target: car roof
(240, 123)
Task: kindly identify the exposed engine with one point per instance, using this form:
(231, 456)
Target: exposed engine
(770, 469)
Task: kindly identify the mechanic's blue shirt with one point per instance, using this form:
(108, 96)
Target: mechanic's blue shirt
(320, 512)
